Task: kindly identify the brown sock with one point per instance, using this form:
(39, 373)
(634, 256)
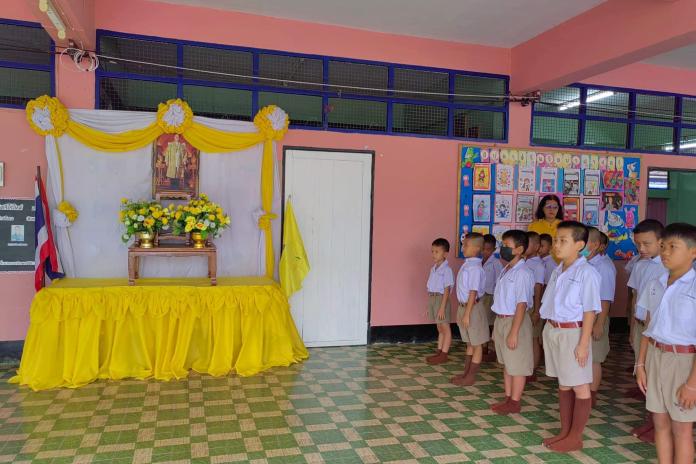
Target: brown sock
(439, 359)
(459, 377)
(497, 406)
(512, 407)
(428, 358)
(594, 398)
(566, 402)
(470, 377)
(573, 441)
(644, 427)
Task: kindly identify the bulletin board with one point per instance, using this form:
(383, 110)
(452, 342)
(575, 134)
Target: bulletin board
(499, 189)
(16, 235)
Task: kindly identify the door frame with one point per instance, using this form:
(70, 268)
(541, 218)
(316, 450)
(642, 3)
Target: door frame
(372, 211)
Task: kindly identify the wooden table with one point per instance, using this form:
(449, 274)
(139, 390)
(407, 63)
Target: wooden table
(172, 250)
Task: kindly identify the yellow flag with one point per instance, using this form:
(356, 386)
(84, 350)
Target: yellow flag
(294, 264)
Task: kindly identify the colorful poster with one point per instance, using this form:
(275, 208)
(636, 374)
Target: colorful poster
(571, 208)
(631, 213)
(482, 208)
(502, 211)
(591, 182)
(526, 179)
(481, 229)
(571, 182)
(524, 208)
(482, 177)
(630, 191)
(549, 180)
(504, 178)
(590, 211)
(612, 181)
(575, 162)
(620, 237)
(612, 201)
(499, 229)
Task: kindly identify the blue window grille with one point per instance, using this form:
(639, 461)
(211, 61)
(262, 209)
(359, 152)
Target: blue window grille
(618, 119)
(318, 92)
(27, 63)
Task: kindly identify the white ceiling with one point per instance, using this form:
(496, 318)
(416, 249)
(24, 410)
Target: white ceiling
(502, 23)
(684, 57)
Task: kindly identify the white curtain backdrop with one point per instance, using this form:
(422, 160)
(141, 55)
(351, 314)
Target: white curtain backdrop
(95, 182)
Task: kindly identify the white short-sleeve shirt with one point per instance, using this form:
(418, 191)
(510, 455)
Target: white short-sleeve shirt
(440, 278)
(515, 285)
(492, 269)
(549, 266)
(470, 278)
(644, 271)
(631, 264)
(537, 266)
(672, 309)
(571, 293)
(607, 276)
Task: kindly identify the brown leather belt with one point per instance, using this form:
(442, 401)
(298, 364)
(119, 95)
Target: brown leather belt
(565, 325)
(681, 349)
(503, 316)
(434, 294)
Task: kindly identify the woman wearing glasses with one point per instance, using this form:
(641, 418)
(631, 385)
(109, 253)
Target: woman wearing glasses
(548, 214)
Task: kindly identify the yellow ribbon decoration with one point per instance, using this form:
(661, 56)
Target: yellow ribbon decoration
(202, 137)
(69, 211)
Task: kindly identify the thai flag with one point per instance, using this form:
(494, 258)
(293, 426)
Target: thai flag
(46, 261)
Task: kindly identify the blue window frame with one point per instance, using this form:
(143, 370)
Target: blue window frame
(27, 63)
(615, 118)
(383, 105)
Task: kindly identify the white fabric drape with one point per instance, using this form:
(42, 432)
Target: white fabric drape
(95, 182)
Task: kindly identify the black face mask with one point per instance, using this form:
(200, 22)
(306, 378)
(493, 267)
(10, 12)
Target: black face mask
(506, 253)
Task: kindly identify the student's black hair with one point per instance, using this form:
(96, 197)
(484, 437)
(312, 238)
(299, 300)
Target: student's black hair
(475, 237)
(594, 231)
(683, 231)
(519, 238)
(489, 238)
(579, 231)
(532, 236)
(603, 238)
(649, 225)
(546, 238)
(540, 209)
(442, 243)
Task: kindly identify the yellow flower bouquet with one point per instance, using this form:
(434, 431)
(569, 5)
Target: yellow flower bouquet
(143, 216)
(200, 215)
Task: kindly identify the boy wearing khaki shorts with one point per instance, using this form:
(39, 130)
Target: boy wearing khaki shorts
(596, 244)
(535, 263)
(471, 314)
(440, 283)
(570, 304)
(666, 367)
(491, 270)
(512, 331)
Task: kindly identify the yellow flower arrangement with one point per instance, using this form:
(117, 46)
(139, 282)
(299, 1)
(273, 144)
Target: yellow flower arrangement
(69, 211)
(174, 116)
(200, 215)
(143, 216)
(47, 116)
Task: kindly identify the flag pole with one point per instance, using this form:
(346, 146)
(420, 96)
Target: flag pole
(37, 179)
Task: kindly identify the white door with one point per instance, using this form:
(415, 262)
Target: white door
(331, 197)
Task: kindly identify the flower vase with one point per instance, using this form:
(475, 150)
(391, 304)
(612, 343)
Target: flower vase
(146, 239)
(198, 240)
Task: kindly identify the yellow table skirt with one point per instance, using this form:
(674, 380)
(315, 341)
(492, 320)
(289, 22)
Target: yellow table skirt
(87, 329)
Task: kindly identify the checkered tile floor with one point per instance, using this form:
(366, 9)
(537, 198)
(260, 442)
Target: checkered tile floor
(373, 404)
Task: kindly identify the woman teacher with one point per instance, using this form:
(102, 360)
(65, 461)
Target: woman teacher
(549, 214)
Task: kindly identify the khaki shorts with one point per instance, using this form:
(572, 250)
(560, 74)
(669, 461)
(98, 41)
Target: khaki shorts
(487, 300)
(638, 330)
(519, 361)
(434, 306)
(559, 354)
(478, 331)
(666, 373)
(600, 348)
(538, 328)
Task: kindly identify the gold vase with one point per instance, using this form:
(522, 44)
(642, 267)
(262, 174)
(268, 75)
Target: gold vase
(146, 239)
(198, 240)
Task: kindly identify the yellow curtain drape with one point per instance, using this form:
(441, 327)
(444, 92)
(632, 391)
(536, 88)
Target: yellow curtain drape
(87, 329)
(47, 116)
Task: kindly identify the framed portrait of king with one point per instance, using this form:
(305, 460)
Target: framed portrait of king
(175, 168)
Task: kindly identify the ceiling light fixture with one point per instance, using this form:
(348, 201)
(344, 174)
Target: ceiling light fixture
(590, 98)
(47, 7)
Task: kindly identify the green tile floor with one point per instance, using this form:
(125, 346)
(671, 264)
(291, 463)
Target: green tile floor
(371, 404)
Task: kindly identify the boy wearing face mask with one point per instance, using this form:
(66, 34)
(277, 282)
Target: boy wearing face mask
(607, 286)
(512, 330)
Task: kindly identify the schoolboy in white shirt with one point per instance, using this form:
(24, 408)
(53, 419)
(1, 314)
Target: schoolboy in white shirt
(570, 304)
(666, 367)
(607, 286)
(440, 283)
(471, 314)
(512, 331)
(535, 263)
(492, 267)
(545, 244)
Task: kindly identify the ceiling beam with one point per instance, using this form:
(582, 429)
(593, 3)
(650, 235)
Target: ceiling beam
(612, 35)
(78, 17)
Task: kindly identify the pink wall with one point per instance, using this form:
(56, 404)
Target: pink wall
(415, 181)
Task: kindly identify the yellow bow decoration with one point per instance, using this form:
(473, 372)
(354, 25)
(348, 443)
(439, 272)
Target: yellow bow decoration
(47, 116)
(265, 221)
(272, 122)
(174, 116)
(69, 211)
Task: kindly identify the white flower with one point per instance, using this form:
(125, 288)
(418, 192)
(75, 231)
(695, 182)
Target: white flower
(206, 222)
(175, 115)
(127, 222)
(141, 218)
(42, 118)
(126, 236)
(277, 118)
(212, 225)
(165, 227)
